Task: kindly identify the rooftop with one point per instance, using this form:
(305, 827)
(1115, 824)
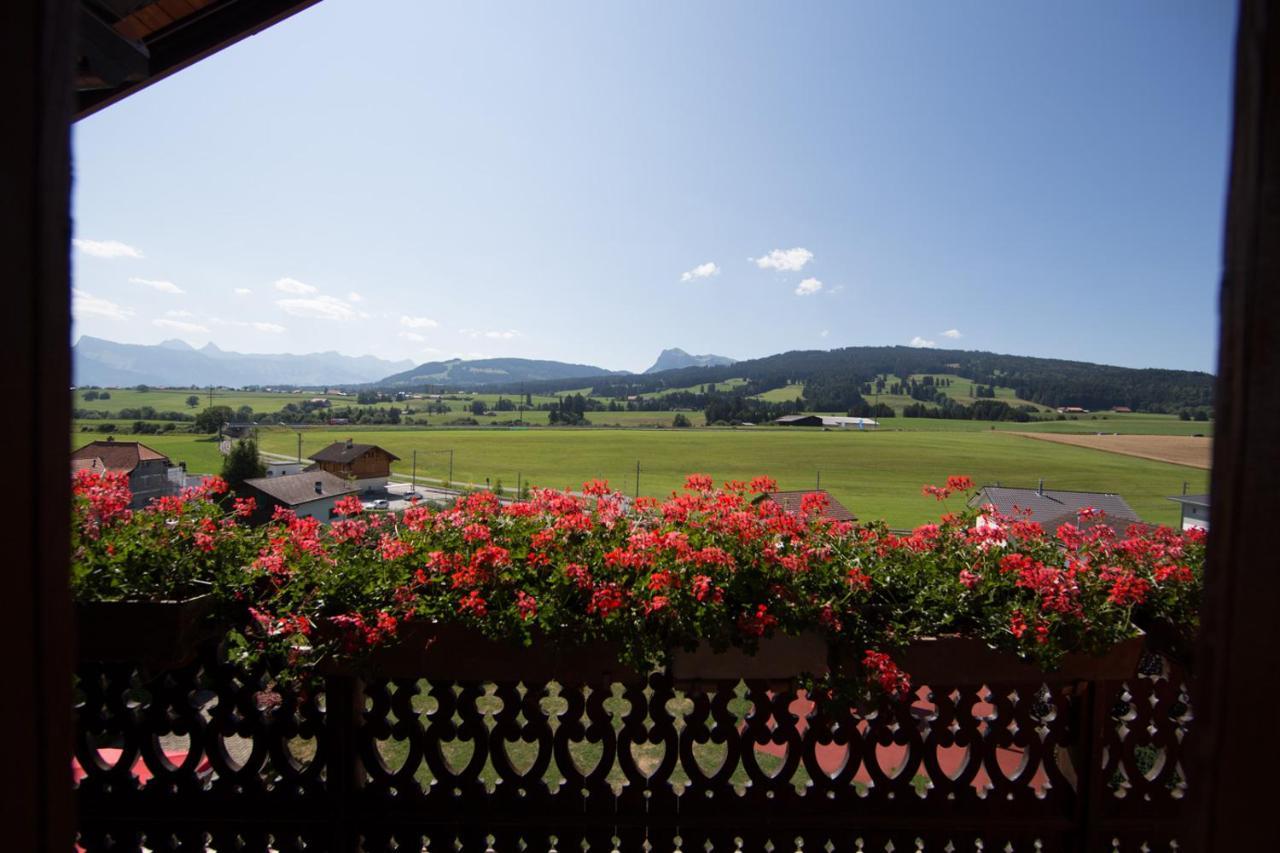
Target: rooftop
(347, 451)
(122, 456)
(792, 500)
(297, 489)
(1054, 507)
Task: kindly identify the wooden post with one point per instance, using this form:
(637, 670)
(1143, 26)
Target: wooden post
(35, 233)
(1240, 674)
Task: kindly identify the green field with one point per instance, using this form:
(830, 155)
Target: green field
(876, 474)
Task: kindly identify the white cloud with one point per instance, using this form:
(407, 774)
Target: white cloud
(317, 308)
(494, 334)
(918, 341)
(242, 291)
(86, 303)
(701, 271)
(179, 325)
(292, 285)
(954, 334)
(354, 297)
(784, 260)
(107, 248)
(270, 328)
(808, 287)
(413, 336)
(823, 333)
(158, 284)
(418, 322)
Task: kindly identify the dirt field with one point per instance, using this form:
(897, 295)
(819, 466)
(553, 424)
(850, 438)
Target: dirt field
(1178, 449)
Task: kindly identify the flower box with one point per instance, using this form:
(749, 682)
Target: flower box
(453, 652)
(964, 660)
(155, 634)
(780, 658)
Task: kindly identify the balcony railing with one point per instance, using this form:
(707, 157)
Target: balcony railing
(521, 754)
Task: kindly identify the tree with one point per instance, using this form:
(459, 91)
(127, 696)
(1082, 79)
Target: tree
(477, 408)
(680, 420)
(242, 463)
(193, 401)
(89, 396)
(212, 418)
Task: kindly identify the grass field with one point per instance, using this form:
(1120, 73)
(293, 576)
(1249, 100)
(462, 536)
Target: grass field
(876, 474)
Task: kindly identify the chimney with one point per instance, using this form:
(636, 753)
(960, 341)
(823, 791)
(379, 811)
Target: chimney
(349, 443)
(1040, 488)
(319, 487)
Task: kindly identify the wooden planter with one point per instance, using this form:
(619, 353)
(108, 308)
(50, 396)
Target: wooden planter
(155, 634)
(953, 660)
(962, 660)
(458, 653)
(781, 658)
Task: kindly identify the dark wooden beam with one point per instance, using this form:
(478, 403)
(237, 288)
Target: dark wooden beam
(190, 40)
(1239, 685)
(35, 716)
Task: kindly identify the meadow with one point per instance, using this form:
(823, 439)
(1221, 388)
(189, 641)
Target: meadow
(875, 474)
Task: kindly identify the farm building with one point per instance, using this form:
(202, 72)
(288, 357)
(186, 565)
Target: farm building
(837, 421)
(792, 501)
(1052, 508)
(1122, 410)
(280, 469)
(1195, 511)
(148, 469)
(365, 466)
(309, 494)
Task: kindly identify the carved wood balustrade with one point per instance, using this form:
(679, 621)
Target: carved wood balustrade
(192, 758)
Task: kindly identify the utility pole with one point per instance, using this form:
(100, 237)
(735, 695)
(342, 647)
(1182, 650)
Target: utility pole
(415, 472)
(819, 486)
(450, 465)
(637, 479)
(299, 447)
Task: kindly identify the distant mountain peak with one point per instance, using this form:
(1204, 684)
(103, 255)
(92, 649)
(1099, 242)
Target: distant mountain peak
(176, 344)
(676, 358)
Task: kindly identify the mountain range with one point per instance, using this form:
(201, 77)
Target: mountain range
(676, 358)
(176, 363)
(491, 371)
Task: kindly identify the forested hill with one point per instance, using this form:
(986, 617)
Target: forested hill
(835, 379)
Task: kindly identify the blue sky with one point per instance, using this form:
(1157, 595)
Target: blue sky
(593, 182)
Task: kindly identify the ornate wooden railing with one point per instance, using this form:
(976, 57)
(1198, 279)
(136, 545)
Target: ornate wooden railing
(191, 758)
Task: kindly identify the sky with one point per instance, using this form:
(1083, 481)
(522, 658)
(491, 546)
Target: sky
(594, 182)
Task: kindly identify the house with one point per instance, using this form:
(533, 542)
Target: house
(148, 469)
(309, 494)
(1122, 410)
(1072, 410)
(280, 469)
(1052, 508)
(365, 466)
(827, 421)
(791, 502)
(1195, 511)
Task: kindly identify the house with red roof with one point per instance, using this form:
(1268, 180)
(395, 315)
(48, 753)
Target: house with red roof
(148, 469)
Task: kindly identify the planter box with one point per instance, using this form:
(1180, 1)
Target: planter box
(961, 660)
(458, 653)
(780, 658)
(155, 634)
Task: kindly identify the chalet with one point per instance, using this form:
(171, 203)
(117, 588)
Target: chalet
(791, 502)
(365, 466)
(1195, 511)
(310, 494)
(148, 469)
(1052, 508)
(837, 421)
(1122, 410)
